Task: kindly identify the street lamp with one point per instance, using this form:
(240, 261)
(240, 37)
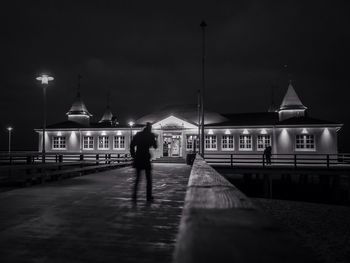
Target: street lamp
(131, 123)
(10, 130)
(44, 79)
(203, 25)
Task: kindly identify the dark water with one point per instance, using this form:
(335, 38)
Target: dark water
(307, 188)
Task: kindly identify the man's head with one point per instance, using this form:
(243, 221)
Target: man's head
(148, 127)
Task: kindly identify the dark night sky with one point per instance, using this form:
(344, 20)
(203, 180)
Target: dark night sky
(148, 55)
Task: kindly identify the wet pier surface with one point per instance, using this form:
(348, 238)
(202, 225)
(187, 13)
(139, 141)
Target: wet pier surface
(92, 218)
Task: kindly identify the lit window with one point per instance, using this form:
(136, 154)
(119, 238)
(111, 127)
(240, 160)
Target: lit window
(210, 142)
(245, 142)
(59, 142)
(227, 142)
(88, 143)
(103, 142)
(119, 142)
(305, 142)
(263, 141)
(189, 142)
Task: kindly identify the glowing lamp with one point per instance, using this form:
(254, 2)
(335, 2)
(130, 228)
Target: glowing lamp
(245, 131)
(227, 132)
(119, 133)
(59, 133)
(210, 131)
(131, 123)
(45, 79)
(263, 131)
(9, 129)
(304, 131)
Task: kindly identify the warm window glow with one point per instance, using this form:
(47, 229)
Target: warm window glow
(304, 142)
(245, 142)
(59, 143)
(103, 142)
(227, 142)
(189, 142)
(210, 142)
(263, 141)
(88, 143)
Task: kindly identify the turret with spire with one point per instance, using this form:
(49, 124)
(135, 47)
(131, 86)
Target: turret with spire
(78, 111)
(291, 105)
(108, 117)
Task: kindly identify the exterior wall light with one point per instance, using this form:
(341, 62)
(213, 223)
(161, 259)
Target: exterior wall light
(245, 131)
(263, 131)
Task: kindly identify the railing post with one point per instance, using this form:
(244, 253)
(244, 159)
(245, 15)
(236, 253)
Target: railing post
(81, 158)
(231, 159)
(295, 161)
(97, 158)
(118, 158)
(328, 161)
(263, 160)
(60, 160)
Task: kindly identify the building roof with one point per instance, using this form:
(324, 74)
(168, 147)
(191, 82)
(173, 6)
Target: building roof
(78, 107)
(76, 125)
(107, 115)
(249, 119)
(291, 100)
(188, 113)
(67, 125)
(305, 120)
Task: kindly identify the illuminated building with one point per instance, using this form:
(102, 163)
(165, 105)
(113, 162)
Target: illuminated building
(288, 130)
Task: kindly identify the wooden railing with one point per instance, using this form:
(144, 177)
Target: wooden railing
(288, 160)
(220, 224)
(20, 158)
(28, 167)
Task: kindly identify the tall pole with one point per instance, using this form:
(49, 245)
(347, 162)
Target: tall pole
(203, 26)
(10, 130)
(199, 120)
(44, 124)
(44, 79)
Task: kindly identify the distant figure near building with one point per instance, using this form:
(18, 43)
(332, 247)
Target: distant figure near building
(143, 141)
(267, 155)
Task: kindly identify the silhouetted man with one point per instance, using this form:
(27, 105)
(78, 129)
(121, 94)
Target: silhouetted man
(267, 154)
(143, 141)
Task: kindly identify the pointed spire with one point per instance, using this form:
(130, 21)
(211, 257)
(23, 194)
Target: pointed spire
(78, 108)
(291, 100)
(273, 107)
(108, 115)
(78, 90)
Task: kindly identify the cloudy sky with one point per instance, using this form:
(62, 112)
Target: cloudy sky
(147, 54)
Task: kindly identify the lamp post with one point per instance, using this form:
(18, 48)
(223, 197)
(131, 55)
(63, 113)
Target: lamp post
(131, 123)
(203, 26)
(44, 79)
(9, 130)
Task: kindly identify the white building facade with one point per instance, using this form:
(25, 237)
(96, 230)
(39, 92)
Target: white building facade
(288, 129)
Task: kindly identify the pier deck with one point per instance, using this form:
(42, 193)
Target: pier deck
(92, 218)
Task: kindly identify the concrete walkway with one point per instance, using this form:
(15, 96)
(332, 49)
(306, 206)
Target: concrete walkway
(92, 219)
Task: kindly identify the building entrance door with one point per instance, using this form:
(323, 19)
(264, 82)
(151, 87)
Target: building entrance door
(171, 145)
